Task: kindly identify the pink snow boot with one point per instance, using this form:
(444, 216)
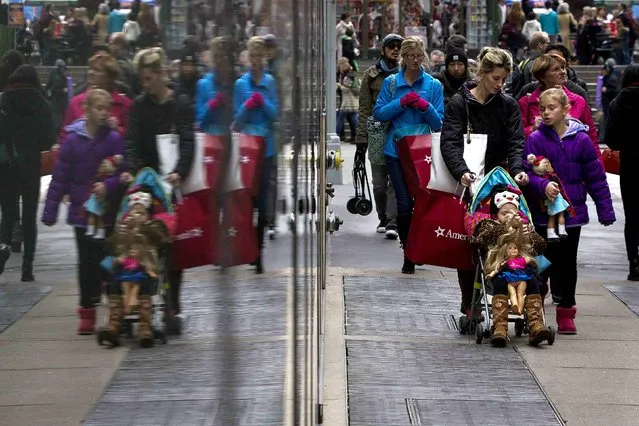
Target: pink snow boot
(566, 320)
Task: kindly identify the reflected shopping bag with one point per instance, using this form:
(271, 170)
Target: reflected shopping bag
(437, 235)
(251, 159)
(207, 164)
(47, 162)
(415, 157)
(238, 236)
(610, 161)
(195, 231)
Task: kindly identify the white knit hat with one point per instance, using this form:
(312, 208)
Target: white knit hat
(140, 197)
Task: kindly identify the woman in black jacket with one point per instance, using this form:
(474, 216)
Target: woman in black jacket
(491, 113)
(621, 124)
(26, 129)
(159, 111)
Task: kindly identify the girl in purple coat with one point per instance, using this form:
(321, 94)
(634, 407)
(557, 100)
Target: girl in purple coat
(89, 141)
(565, 142)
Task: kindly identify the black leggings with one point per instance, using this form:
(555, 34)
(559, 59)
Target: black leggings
(563, 270)
(90, 274)
(20, 181)
(630, 208)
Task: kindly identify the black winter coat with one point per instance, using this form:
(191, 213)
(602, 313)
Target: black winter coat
(27, 128)
(621, 125)
(448, 84)
(499, 118)
(147, 119)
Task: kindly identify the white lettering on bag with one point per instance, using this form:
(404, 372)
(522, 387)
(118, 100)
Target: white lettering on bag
(447, 233)
(191, 233)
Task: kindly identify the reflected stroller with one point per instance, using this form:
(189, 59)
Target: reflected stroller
(156, 226)
(481, 309)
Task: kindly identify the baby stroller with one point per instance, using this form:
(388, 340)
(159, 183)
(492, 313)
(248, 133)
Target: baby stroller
(481, 308)
(160, 224)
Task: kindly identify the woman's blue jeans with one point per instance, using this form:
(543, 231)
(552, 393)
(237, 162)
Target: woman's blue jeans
(396, 174)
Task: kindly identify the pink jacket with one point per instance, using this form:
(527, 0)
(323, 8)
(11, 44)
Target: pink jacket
(579, 109)
(75, 111)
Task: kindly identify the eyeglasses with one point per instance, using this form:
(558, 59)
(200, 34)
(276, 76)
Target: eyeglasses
(395, 45)
(415, 57)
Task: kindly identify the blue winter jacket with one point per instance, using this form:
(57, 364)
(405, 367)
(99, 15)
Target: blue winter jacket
(409, 121)
(213, 122)
(258, 122)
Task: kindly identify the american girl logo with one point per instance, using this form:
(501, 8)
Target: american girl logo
(447, 233)
(191, 233)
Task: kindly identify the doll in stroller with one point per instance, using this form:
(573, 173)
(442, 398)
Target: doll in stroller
(138, 249)
(499, 225)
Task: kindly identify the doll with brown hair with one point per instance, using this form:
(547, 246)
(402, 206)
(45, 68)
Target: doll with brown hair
(512, 260)
(95, 207)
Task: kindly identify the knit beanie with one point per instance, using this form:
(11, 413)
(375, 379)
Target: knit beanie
(456, 55)
(26, 75)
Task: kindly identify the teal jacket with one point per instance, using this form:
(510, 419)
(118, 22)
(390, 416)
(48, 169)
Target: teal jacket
(258, 122)
(212, 122)
(409, 121)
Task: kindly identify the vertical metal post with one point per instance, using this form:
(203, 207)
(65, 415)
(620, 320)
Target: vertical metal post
(330, 64)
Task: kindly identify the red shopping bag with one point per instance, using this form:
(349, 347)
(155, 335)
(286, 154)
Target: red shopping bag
(610, 161)
(437, 235)
(214, 148)
(415, 157)
(251, 155)
(195, 231)
(238, 236)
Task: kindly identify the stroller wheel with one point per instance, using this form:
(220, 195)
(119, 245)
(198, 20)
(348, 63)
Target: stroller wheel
(364, 207)
(479, 333)
(351, 205)
(463, 324)
(519, 327)
(551, 339)
(160, 335)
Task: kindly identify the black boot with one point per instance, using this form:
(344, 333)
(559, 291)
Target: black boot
(403, 226)
(261, 225)
(27, 271)
(633, 275)
(16, 238)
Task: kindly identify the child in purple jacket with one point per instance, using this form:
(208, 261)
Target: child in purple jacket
(89, 141)
(565, 142)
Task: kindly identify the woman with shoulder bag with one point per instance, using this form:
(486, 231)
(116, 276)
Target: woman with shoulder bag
(484, 106)
(413, 102)
(159, 111)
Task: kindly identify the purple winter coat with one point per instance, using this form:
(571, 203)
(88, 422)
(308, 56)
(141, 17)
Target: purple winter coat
(574, 160)
(75, 171)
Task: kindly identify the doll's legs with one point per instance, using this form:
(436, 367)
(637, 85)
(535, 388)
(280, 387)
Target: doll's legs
(512, 295)
(561, 227)
(521, 295)
(99, 228)
(551, 232)
(90, 225)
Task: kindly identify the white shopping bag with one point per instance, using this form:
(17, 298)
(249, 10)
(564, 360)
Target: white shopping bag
(196, 180)
(168, 147)
(233, 178)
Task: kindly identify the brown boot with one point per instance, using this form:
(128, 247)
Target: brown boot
(500, 320)
(112, 332)
(538, 331)
(145, 330)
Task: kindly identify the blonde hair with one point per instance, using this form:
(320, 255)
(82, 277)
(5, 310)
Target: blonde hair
(94, 94)
(491, 58)
(557, 94)
(544, 63)
(256, 43)
(343, 61)
(221, 46)
(497, 254)
(152, 59)
(408, 45)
